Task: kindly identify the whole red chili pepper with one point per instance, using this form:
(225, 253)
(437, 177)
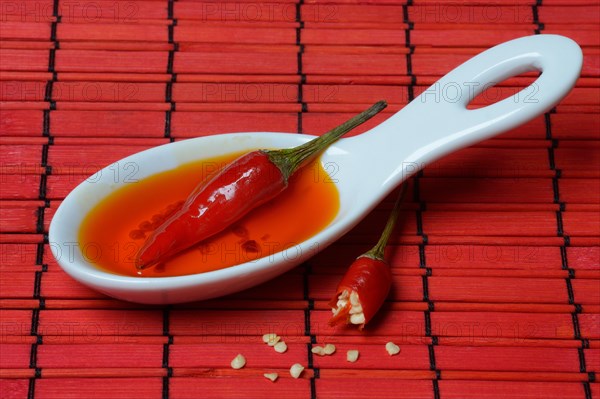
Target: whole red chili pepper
(246, 183)
(367, 282)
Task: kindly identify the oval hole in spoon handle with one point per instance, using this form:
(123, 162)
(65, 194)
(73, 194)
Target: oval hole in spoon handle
(438, 122)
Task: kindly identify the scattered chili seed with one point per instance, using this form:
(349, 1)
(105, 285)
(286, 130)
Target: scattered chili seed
(271, 339)
(280, 347)
(296, 370)
(352, 355)
(268, 337)
(329, 349)
(392, 348)
(238, 362)
(318, 350)
(271, 376)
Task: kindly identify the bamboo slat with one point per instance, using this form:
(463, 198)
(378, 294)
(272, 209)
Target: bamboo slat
(101, 387)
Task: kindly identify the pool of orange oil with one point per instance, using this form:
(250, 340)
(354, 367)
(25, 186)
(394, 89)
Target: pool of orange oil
(115, 229)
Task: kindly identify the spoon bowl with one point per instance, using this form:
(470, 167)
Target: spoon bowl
(367, 167)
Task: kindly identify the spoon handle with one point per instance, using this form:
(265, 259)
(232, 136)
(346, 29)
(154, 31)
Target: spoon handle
(438, 122)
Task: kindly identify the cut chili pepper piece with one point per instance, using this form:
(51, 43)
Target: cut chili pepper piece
(367, 282)
(246, 183)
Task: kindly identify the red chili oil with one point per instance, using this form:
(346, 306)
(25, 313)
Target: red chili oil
(112, 233)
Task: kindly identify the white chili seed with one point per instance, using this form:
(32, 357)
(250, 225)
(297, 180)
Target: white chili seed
(318, 350)
(296, 370)
(238, 362)
(358, 318)
(354, 300)
(267, 337)
(329, 349)
(356, 309)
(342, 302)
(352, 355)
(271, 339)
(271, 376)
(392, 348)
(280, 347)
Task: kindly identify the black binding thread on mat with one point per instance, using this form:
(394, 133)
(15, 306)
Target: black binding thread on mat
(425, 282)
(167, 134)
(307, 270)
(46, 169)
(173, 79)
(35, 319)
(310, 305)
(434, 339)
(536, 17)
(309, 346)
(166, 350)
(52, 61)
(419, 214)
(577, 308)
(411, 49)
(312, 341)
(39, 259)
(587, 389)
(300, 72)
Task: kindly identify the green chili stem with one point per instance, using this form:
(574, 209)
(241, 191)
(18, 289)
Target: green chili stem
(291, 159)
(378, 251)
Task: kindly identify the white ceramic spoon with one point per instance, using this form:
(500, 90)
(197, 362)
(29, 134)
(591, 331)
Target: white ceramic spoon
(368, 166)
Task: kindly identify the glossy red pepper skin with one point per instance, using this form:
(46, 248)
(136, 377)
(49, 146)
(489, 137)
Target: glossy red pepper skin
(371, 278)
(243, 185)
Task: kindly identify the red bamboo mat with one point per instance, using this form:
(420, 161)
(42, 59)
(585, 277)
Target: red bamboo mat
(496, 259)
